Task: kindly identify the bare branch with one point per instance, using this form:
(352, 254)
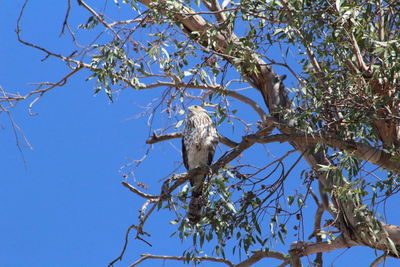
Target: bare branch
(138, 192)
(213, 5)
(143, 216)
(124, 248)
(378, 260)
(180, 258)
(260, 254)
(9, 97)
(160, 138)
(129, 21)
(361, 64)
(49, 53)
(301, 249)
(65, 23)
(228, 142)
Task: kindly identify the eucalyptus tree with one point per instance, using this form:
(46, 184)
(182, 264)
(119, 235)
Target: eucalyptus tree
(340, 114)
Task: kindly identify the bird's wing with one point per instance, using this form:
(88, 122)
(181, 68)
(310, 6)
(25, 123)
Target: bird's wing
(184, 154)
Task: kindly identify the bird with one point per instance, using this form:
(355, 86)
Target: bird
(199, 140)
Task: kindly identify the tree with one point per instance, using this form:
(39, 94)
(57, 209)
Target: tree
(341, 116)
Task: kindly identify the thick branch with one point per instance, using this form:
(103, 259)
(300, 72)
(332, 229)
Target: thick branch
(301, 249)
(363, 151)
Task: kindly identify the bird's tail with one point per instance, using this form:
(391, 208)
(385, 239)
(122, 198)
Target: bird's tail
(196, 203)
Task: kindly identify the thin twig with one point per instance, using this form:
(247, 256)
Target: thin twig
(378, 260)
(99, 18)
(124, 248)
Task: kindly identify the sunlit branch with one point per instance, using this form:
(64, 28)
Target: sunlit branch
(143, 215)
(361, 64)
(260, 254)
(124, 22)
(301, 249)
(138, 192)
(213, 6)
(180, 258)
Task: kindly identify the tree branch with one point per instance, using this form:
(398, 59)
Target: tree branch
(361, 64)
(260, 254)
(378, 260)
(217, 89)
(160, 138)
(11, 97)
(180, 258)
(301, 249)
(317, 227)
(215, 7)
(138, 192)
(98, 17)
(363, 151)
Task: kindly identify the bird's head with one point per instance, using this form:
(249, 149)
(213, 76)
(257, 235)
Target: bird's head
(196, 109)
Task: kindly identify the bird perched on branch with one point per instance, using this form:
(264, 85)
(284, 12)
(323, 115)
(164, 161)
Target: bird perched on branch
(198, 147)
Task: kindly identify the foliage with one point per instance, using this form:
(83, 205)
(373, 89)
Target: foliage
(343, 60)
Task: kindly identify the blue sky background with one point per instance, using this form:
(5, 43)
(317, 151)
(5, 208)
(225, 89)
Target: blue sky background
(62, 203)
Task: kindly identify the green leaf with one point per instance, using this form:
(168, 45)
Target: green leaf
(392, 247)
(290, 200)
(338, 4)
(231, 207)
(179, 123)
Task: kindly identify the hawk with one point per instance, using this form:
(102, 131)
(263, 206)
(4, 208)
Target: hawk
(198, 147)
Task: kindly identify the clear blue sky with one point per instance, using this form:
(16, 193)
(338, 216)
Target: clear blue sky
(62, 203)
